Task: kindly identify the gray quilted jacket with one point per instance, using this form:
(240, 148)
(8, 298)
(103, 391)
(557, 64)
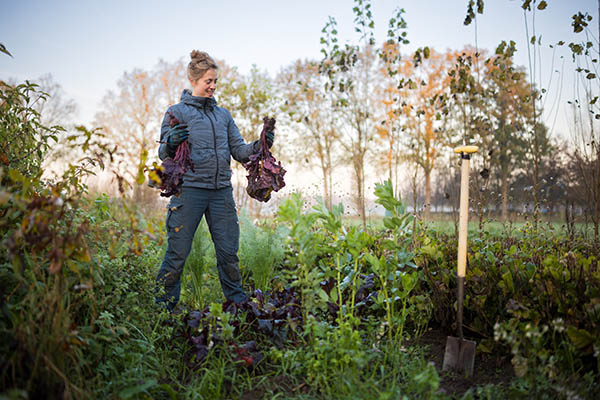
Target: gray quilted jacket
(214, 139)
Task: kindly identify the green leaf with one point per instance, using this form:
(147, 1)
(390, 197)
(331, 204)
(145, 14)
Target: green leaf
(508, 280)
(519, 365)
(15, 175)
(580, 337)
(323, 295)
(550, 261)
(542, 5)
(3, 50)
(131, 391)
(333, 295)
(431, 251)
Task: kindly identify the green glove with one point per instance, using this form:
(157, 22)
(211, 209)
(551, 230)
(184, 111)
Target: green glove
(269, 137)
(177, 135)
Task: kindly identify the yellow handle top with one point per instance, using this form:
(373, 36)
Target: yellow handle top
(466, 149)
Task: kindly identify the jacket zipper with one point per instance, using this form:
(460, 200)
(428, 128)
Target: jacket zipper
(215, 146)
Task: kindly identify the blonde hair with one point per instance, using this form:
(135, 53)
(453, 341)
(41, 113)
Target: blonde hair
(200, 63)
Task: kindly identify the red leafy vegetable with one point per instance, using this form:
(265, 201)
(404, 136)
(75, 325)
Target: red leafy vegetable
(275, 316)
(172, 170)
(265, 173)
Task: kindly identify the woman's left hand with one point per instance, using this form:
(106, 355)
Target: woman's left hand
(269, 137)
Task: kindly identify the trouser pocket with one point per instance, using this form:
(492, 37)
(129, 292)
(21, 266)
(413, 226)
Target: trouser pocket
(175, 214)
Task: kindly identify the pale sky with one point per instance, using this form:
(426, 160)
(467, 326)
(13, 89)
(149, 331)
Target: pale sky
(87, 45)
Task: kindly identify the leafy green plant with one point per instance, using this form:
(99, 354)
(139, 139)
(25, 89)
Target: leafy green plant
(338, 354)
(518, 291)
(303, 244)
(24, 140)
(261, 251)
(391, 267)
(74, 286)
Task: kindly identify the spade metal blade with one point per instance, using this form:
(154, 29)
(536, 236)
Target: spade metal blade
(460, 355)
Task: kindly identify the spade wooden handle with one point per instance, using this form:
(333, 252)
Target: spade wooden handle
(466, 149)
(464, 218)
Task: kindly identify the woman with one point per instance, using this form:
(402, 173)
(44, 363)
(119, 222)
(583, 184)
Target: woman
(213, 138)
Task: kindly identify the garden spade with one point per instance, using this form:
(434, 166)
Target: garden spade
(460, 353)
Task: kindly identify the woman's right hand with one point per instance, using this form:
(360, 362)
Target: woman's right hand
(177, 135)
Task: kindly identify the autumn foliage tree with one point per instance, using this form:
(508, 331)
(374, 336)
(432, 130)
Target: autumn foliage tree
(352, 72)
(425, 137)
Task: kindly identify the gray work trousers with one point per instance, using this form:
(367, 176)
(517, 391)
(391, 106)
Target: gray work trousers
(183, 216)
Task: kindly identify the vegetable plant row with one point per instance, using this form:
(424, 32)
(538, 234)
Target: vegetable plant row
(534, 302)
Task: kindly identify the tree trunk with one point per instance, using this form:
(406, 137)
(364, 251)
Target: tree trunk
(359, 176)
(137, 194)
(330, 177)
(251, 207)
(597, 190)
(504, 195)
(390, 156)
(414, 189)
(361, 195)
(427, 195)
(326, 189)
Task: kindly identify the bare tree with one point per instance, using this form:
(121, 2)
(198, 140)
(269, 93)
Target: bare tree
(171, 80)
(390, 126)
(249, 98)
(309, 107)
(57, 109)
(130, 117)
(352, 73)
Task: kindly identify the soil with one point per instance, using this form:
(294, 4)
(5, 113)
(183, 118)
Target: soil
(282, 384)
(489, 368)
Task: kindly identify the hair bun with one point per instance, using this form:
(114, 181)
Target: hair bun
(200, 63)
(199, 56)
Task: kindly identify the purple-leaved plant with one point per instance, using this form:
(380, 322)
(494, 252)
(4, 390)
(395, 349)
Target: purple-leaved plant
(265, 173)
(172, 170)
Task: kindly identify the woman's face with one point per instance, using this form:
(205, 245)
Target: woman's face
(205, 86)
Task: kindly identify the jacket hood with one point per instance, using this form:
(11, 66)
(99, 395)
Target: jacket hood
(196, 101)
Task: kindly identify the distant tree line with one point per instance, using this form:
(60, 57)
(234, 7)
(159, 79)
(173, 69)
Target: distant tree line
(365, 112)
